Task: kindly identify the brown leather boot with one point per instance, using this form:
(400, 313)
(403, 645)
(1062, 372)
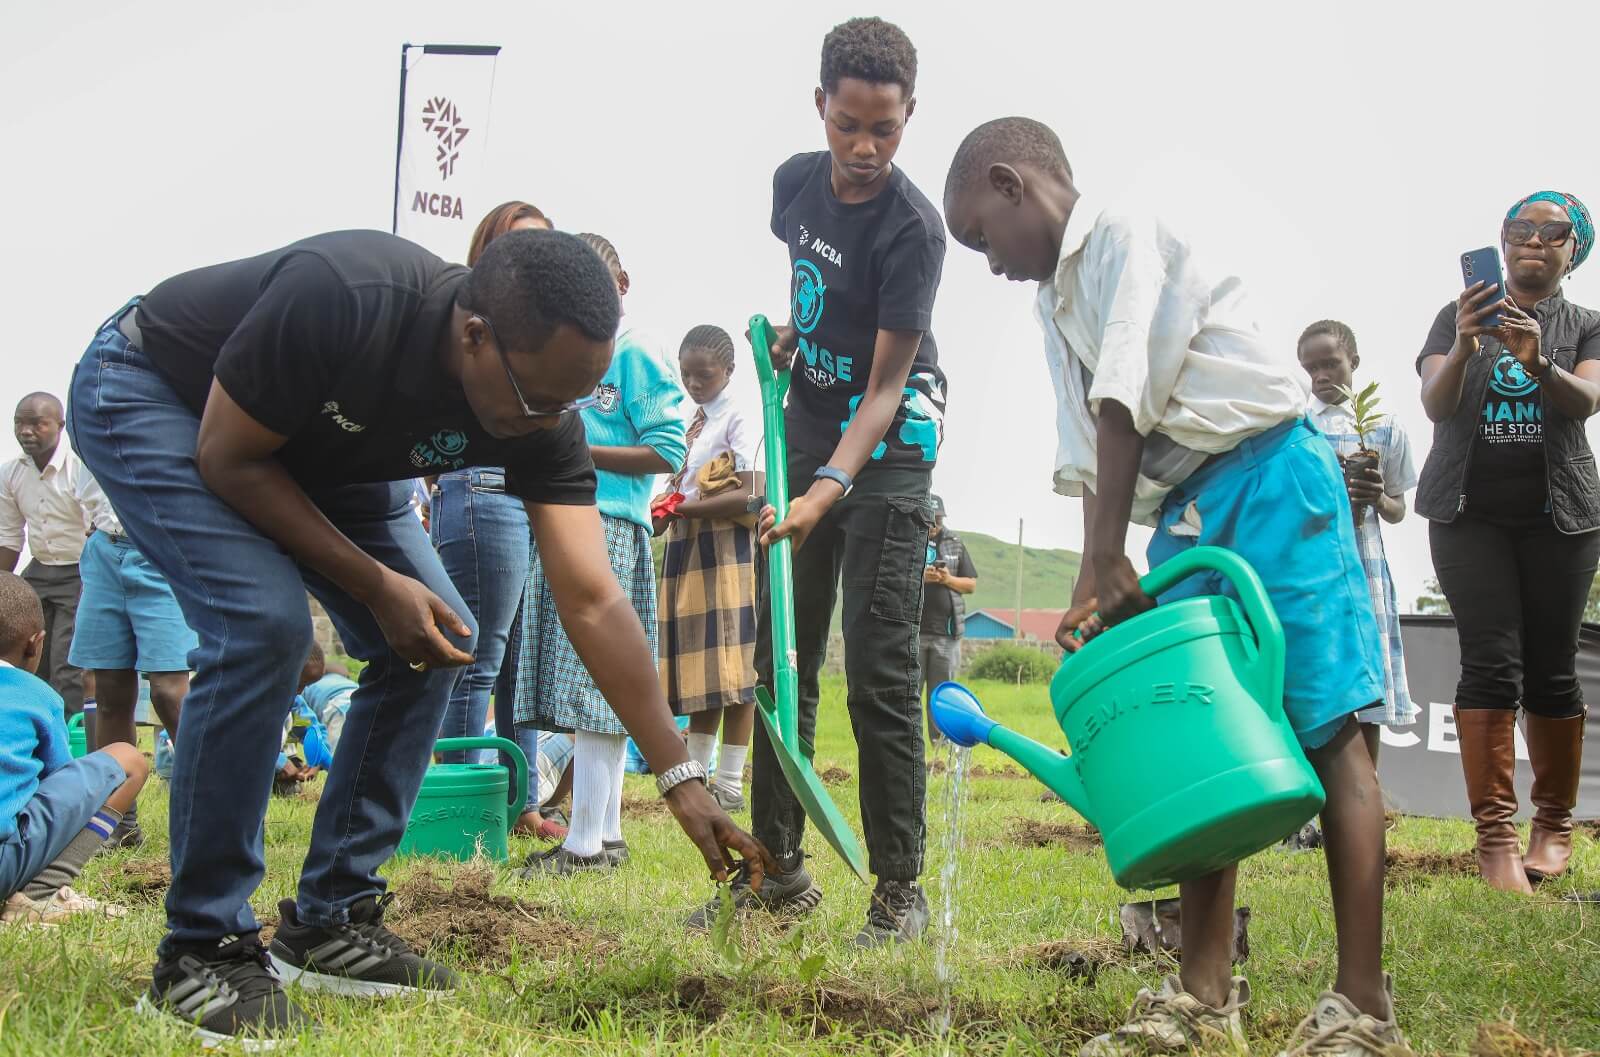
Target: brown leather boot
(1489, 759)
(1556, 747)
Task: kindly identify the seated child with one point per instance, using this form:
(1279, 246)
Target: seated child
(327, 696)
(55, 811)
(1174, 413)
(302, 728)
(1327, 351)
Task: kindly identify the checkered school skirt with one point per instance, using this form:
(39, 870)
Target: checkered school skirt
(708, 615)
(554, 691)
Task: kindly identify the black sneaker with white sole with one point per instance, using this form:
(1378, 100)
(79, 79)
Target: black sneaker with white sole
(898, 913)
(226, 992)
(361, 957)
(789, 894)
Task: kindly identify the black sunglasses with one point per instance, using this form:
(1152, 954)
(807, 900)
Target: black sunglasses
(1551, 233)
(581, 404)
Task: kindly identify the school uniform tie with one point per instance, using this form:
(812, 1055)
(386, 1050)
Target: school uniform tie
(696, 427)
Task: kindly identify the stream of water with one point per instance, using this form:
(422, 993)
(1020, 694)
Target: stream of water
(950, 893)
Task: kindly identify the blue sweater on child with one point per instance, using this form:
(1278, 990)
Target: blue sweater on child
(33, 741)
(641, 403)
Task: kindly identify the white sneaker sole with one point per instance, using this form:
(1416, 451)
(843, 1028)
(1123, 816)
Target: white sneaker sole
(211, 1040)
(292, 975)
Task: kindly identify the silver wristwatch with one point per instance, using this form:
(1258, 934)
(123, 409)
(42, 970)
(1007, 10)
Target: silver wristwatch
(677, 774)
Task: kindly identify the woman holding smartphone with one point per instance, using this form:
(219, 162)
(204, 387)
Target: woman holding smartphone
(1513, 503)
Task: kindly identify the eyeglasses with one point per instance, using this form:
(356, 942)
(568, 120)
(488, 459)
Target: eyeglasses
(580, 404)
(1551, 233)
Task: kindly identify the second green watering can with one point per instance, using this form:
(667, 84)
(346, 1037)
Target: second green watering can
(1182, 756)
(463, 808)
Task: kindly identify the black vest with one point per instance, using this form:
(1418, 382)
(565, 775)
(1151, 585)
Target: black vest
(1569, 462)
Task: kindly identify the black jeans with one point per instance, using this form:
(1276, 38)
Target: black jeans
(875, 541)
(58, 588)
(1517, 589)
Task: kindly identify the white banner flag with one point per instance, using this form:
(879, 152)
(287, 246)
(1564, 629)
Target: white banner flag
(445, 94)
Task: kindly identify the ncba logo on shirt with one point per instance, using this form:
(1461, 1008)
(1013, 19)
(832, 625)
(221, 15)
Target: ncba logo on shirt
(807, 296)
(440, 451)
(607, 396)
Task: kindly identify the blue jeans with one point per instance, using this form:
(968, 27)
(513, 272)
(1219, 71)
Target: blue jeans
(482, 538)
(246, 600)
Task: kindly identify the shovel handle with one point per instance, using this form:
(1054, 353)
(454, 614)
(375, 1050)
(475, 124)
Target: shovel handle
(780, 556)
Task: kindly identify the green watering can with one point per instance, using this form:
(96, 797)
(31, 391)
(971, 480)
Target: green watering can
(782, 718)
(77, 737)
(1182, 756)
(463, 807)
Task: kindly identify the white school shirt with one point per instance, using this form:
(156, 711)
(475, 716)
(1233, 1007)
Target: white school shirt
(44, 505)
(726, 429)
(1162, 334)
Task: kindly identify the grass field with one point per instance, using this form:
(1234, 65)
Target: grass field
(602, 960)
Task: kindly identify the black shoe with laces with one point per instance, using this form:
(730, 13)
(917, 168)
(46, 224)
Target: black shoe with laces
(225, 991)
(898, 914)
(791, 894)
(361, 957)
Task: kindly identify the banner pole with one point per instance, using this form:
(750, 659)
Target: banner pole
(399, 140)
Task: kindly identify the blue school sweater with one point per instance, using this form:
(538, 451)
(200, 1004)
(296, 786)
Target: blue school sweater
(641, 402)
(33, 741)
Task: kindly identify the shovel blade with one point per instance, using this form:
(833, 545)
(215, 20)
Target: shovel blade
(809, 790)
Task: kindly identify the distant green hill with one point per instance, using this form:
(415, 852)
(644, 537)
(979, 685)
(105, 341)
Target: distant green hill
(1047, 575)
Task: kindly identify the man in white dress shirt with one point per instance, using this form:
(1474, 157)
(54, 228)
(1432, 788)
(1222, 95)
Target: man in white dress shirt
(39, 503)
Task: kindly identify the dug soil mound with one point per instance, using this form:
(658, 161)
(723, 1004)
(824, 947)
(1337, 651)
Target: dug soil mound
(834, 775)
(143, 880)
(1403, 867)
(1034, 833)
(644, 807)
(1500, 1039)
(1074, 957)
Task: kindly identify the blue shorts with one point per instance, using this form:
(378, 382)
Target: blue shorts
(65, 801)
(1278, 501)
(128, 618)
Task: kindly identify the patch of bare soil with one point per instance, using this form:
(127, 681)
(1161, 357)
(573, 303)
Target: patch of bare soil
(1591, 826)
(482, 926)
(1502, 1039)
(644, 807)
(828, 1008)
(1075, 957)
(833, 774)
(1034, 833)
(1403, 867)
(145, 880)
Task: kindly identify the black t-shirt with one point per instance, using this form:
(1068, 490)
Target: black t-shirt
(333, 342)
(943, 610)
(859, 268)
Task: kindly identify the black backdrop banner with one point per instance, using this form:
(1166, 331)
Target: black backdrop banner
(1420, 765)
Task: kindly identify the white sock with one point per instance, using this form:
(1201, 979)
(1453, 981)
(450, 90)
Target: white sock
(730, 768)
(701, 748)
(596, 768)
(614, 801)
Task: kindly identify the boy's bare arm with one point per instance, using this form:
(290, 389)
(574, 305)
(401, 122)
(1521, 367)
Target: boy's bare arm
(1116, 583)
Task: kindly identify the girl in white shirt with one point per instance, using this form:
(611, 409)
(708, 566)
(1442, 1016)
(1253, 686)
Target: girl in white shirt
(708, 585)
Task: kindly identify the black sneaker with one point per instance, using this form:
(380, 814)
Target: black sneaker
(225, 991)
(128, 834)
(361, 957)
(615, 851)
(898, 914)
(790, 894)
(560, 862)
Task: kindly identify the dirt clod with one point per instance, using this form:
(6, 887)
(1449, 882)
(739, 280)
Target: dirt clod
(482, 926)
(1034, 833)
(1076, 958)
(145, 880)
(644, 807)
(1403, 867)
(834, 775)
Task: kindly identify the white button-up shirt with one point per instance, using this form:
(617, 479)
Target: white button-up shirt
(44, 506)
(1132, 315)
(97, 506)
(726, 429)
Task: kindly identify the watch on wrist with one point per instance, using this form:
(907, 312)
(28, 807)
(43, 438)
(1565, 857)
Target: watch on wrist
(837, 476)
(677, 774)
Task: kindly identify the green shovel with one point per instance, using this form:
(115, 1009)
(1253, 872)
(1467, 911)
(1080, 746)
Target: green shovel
(782, 718)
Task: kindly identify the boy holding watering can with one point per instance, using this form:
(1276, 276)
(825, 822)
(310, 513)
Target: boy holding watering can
(257, 425)
(1174, 413)
(864, 421)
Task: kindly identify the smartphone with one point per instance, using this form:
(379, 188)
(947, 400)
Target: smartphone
(940, 564)
(1483, 266)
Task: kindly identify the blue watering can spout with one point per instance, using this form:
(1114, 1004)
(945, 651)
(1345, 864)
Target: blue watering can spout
(959, 716)
(957, 713)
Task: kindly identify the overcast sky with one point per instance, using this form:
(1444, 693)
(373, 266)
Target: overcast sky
(1339, 158)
